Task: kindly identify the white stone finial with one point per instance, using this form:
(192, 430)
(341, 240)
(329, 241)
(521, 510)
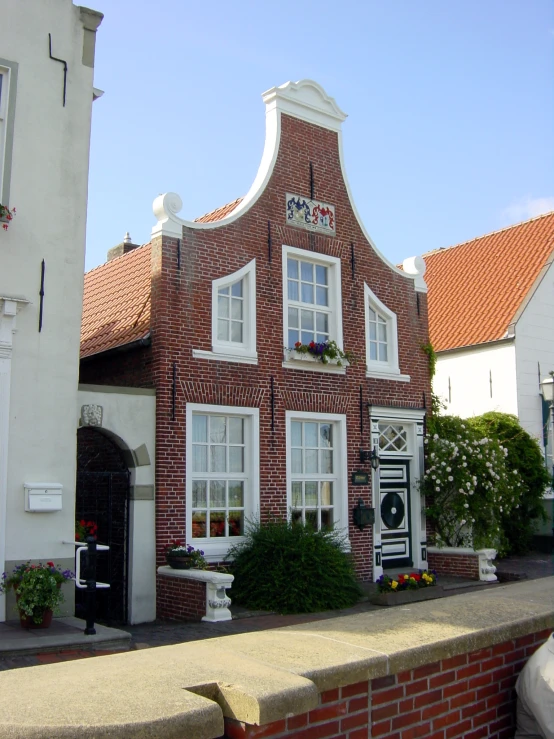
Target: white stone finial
(416, 266)
(127, 238)
(165, 209)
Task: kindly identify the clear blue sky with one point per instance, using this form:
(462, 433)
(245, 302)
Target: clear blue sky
(450, 104)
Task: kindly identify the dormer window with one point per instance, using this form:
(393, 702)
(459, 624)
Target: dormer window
(233, 318)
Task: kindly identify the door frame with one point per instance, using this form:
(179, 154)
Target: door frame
(413, 421)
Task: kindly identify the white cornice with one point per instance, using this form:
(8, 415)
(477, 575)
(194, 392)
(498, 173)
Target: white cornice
(306, 100)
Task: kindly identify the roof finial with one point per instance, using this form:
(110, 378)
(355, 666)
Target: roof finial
(127, 238)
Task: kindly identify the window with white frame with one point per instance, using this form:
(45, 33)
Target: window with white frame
(381, 336)
(312, 306)
(222, 469)
(234, 317)
(316, 446)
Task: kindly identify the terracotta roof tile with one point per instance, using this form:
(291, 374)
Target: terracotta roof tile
(116, 302)
(219, 213)
(476, 288)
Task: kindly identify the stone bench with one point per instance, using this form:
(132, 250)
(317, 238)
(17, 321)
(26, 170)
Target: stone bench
(193, 594)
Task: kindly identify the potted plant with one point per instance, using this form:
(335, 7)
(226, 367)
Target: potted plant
(181, 556)
(6, 216)
(37, 589)
(85, 528)
(408, 588)
(325, 352)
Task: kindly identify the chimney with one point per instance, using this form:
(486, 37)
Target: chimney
(121, 249)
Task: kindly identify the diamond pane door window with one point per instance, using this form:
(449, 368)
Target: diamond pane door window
(393, 438)
(313, 477)
(218, 476)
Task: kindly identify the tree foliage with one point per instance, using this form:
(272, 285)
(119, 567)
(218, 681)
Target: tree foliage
(524, 455)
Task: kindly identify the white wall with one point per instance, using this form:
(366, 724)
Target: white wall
(48, 187)
(469, 372)
(535, 354)
(129, 418)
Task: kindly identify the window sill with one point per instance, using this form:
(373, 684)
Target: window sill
(216, 550)
(239, 358)
(380, 375)
(296, 360)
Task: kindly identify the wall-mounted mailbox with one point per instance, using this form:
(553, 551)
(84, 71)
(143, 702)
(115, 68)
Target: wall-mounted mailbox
(363, 515)
(43, 497)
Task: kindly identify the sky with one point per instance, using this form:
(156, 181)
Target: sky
(450, 128)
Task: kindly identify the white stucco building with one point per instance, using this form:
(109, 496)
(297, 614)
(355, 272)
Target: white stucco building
(46, 94)
(491, 322)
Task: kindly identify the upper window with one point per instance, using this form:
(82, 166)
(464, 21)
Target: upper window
(381, 337)
(312, 309)
(8, 78)
(222, 465)
(234, 317)
(316, 471)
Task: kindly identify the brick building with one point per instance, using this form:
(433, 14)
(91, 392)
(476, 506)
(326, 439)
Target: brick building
(208, 313)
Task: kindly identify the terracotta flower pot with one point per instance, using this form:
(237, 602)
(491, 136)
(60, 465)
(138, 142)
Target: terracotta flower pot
(28, 623)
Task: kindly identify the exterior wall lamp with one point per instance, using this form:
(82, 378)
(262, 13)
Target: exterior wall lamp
(363, 515)
(370, 456)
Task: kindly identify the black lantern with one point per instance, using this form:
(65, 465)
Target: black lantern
(363, 515)
(370, 456)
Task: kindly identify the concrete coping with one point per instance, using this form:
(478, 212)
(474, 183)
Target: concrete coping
(217, 578)
(259, 677)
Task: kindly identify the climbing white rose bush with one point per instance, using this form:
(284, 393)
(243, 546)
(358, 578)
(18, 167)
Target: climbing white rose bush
(468, 488)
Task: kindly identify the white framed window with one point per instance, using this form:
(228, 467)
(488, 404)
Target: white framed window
(317, 485)
(233, 317)
(312, 305)
(8, 82)
(222, 475)
(381, 339)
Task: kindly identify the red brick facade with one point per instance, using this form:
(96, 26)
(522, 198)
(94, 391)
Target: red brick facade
(469, 696)
(181, 320)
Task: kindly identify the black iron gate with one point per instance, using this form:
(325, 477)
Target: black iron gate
(102, 496)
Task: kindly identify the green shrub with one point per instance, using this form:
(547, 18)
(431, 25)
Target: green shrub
(468, 485)
(524, 455)
(290, 568)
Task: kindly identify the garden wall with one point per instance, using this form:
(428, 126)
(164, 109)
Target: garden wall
(458, 563)
(439, 669)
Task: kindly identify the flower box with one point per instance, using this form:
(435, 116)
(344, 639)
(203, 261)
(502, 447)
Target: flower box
(406, 596)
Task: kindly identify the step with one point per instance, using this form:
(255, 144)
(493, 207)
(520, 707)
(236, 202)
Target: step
(64, 634)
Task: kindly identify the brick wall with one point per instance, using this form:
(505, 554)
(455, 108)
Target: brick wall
(459, 565)
(179, 599)
(127, 368)
(343, 712)
(469, 696)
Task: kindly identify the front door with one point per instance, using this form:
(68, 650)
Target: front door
(394, 500)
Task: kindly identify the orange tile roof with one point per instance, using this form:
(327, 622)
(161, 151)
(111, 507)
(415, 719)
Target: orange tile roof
(476, 288)
(116, 302)
(219, 213)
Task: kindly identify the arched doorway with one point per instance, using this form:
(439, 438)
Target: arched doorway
(102, 496)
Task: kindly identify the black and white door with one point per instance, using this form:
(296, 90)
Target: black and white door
(394, 502)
